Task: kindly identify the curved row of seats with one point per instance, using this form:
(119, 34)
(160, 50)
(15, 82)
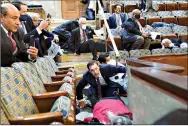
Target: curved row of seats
(145, 52)
(38, 93)
(128, 6)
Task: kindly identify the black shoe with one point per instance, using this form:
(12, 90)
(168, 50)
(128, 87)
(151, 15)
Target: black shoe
(95, 58)
(78, 52)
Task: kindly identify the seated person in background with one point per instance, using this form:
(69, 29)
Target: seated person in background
(133, 33)
(35, 20)
(82, 41)
(44, 40)
(64, 32)
(173, 43)
(117, 18)
(12, 46)
(97, 77)
(120, 78)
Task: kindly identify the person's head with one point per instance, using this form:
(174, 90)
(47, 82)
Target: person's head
(93, 68)
(82, 22)
(10, 17)
(118, 8)
(167, 43)
(136, 14)
(35, 20)
(22, 7)
(104, 57)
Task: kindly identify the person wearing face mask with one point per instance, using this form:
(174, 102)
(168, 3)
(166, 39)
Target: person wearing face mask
(27, 23)
(117, 18)
(133, 34)
(81, 40)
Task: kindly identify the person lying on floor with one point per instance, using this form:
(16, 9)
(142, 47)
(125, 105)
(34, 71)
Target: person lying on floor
(106, 111)
(173, 43)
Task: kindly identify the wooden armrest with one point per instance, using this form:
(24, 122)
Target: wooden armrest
(45, 101)
(50, 94)
(59, 77)
(54, 83)
(53, 86)
(61, 72)
(64, 68)
(39, 119)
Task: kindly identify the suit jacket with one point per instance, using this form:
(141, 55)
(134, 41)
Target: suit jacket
(131, 29)
(112, 20)
(7, 57)
(75, 40)
(106, 72)
(67, 26)
(30, 28)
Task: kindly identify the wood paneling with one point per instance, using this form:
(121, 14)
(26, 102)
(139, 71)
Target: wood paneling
(72, 9)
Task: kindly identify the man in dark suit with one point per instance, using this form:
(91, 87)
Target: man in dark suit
(81, 40)
(12, 47)
(133, 34)
(117, 18)
(64, 32)
(98, 77)
(27, 23)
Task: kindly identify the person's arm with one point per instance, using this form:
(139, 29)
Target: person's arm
(83, 82)
(133, 30)
(117, 69)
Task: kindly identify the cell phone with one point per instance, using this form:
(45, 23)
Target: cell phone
(32, 41)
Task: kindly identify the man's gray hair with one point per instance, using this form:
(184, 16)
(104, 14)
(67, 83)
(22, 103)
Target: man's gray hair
(81, 19)
(4, 10)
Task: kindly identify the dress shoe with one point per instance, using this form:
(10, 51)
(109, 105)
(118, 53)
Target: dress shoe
(95, 58)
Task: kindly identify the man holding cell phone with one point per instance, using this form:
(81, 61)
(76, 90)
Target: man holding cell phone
(12, 47)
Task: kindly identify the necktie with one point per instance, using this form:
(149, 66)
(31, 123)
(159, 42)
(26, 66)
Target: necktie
(12, 40)
(99, 88)
(84, 35)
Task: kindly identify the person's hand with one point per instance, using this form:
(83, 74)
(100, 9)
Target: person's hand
(33, 52)
(56, 38)
(43, 25)
(81, 104)
(144, 35)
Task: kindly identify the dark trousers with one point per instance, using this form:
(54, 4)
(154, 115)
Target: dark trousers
(142, 5)
(88, 46)
(90, 14)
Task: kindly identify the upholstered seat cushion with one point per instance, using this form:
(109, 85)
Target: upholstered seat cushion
(180, 50)
(4, 119)
(160, 51)
(123, 55)
(15, 95)
(31, 76)
(140, 53)
(62, 104)
(66, 87)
